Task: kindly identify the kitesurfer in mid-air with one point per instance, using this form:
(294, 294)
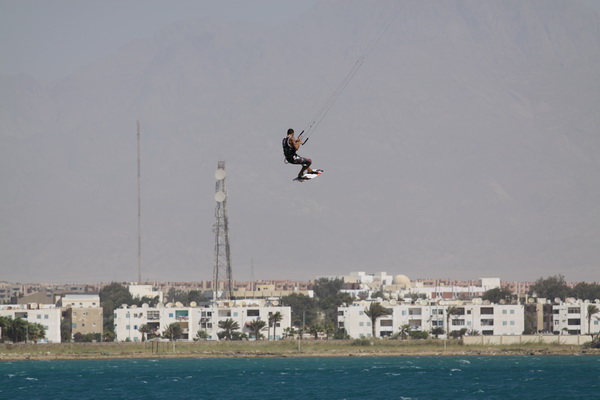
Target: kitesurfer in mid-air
(291, 145)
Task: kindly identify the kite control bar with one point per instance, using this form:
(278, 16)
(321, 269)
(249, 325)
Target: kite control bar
(300, 135)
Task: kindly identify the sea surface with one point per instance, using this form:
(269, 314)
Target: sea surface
(472, 377)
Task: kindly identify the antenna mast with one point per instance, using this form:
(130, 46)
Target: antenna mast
(222, 269)
(139, 199)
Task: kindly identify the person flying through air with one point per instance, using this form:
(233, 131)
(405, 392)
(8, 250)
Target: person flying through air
(291, 145)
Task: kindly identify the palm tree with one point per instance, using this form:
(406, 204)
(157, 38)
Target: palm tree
(315, 329)
(591, 310)
(145, 330)
(228, 326)
(173, 331)
(375, 311)
(438, 330)
(256, 326)
(328, 328)
(450, 311)
(404, 330)
(274, 320)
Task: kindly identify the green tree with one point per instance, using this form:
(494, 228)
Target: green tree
(65, 329)
(196, 296)
(274, 319)
(550, 288)
(497, 294)
(256, 326)
(591, 310)
(201, 335)
(112, 297)
(328, 328)
(438, 330)
(585, 291)
(145, 330)
(229, 326)
(289, 332)
(304, 308)
(36, 332)
(177, 295)
(315, 330)
(418, 334)
(404, 331)
(173, 331)
(374, 312)
(329, 297)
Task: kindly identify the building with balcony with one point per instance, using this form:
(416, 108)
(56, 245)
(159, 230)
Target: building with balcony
(572, 317)
(485, 319)
(128, 320)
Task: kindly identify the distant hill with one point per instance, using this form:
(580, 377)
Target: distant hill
(467, 145)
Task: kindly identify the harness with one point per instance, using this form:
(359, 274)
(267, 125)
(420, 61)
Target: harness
(288, 150)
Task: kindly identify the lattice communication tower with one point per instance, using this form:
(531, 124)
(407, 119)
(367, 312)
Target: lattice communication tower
(222, 279)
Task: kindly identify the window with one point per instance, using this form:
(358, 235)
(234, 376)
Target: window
(39, 316)
(574, 321)
(386, 322)
(487, 310)
(512, 311)
(253, 313)
(153, 315)
(573, 310)
(504, 312)
(361, 324)
(504, 323)
(512, 323)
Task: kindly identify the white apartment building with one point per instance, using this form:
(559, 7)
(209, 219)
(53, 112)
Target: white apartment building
(128, 320)
(571, 318)
(46, 315)
(490, 319)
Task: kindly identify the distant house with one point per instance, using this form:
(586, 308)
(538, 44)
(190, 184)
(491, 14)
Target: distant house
(128, 320)
(83, 312)
(46, 315)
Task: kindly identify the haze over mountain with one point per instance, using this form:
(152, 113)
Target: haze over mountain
(467, 145)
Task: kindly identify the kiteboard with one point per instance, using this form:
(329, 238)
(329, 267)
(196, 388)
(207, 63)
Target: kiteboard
(309, 176)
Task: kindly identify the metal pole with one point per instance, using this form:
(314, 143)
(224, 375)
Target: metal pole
(139, 206)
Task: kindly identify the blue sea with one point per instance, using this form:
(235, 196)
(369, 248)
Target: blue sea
(496, 377)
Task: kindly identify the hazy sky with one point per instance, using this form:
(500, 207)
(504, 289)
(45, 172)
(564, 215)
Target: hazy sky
(491, 169)
(51, 39)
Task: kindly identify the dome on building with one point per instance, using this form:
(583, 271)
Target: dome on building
(401, 280)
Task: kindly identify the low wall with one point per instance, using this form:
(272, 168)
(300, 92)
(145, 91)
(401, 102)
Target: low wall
(524, 339)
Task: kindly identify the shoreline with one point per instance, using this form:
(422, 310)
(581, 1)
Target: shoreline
(291, 349)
